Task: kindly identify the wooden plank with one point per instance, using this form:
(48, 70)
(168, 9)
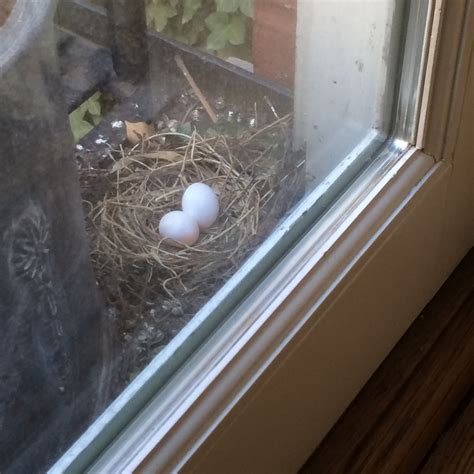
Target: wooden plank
(454, 453)
(391, 424)
(6, 6)
(274, 40)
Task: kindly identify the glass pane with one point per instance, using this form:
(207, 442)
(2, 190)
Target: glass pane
(362, 70)
(158, 158)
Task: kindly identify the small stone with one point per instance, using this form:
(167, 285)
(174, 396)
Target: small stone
(117, 124)
(219, 103)
(195, 115)
(253, 122)
(159, 337)
(230, 115)
(172, 125)
(100, 141)
(177, 311)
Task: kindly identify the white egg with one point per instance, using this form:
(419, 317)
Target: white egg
(201, 203)
(179, 226)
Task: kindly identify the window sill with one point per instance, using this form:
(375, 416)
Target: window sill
(296, 304)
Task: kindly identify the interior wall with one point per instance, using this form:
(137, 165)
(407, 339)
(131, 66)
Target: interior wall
(459, 207)
(329, 67)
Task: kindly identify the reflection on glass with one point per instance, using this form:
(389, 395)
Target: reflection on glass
(186, 162)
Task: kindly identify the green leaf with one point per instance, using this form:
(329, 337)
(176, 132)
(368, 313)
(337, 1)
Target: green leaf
(183, 39)
(88, 114)
(96, 119)
(93, 105)
(158, 21)
(205, 24)
(79, 127)
(217, 20)
(170, 11)
(227, 6)
(198, 24)
(189, 9)
(237, 30)
(246, 7)
(160, 14)
(217, 39)
(150, 17)
(192, 31)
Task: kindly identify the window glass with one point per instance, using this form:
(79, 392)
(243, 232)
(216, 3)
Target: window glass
(158, 157)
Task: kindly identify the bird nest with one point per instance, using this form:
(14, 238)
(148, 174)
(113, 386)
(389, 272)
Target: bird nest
(148, 181)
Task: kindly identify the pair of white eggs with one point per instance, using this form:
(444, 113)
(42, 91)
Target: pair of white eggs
(200, 210)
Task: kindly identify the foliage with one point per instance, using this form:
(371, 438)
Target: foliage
(86, 116)
(221, 27)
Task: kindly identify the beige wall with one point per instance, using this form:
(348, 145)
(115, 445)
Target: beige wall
(460, 199)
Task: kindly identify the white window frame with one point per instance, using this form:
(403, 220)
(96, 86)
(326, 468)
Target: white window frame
(264, 390)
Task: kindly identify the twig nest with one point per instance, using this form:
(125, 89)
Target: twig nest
(149, 181)
(180, 227)
(201, 203)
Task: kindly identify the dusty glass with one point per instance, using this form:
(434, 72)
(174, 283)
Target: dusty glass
(158, 158)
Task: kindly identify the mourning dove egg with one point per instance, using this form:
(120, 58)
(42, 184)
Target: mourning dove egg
(201, 203)
(180, 227)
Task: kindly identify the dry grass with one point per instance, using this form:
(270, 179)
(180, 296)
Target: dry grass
(149, 180)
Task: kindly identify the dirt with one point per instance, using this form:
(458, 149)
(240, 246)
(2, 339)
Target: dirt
(142, 330)
(6, 7)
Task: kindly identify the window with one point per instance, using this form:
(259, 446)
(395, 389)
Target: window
(152, 116)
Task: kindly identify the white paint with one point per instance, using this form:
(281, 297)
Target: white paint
(323, 359)
(343, 88)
